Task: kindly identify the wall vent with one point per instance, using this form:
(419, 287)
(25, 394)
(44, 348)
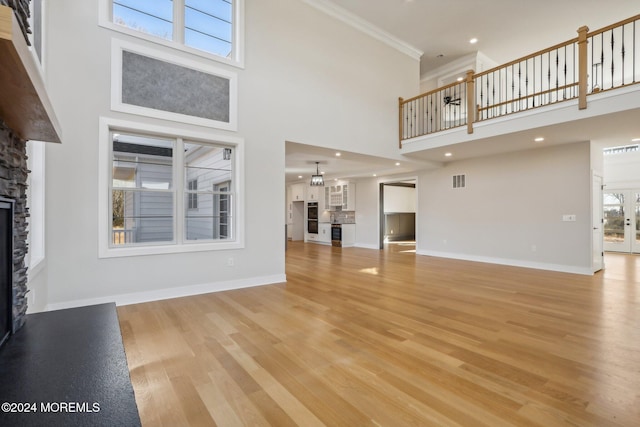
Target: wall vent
(459, 181)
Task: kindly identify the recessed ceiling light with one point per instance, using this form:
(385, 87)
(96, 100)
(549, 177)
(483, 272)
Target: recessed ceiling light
(322, 173)
(635, 140)
(299, 176)
(539, 139)
(397, 163)
(473, 40)
(448, 154)
(375, 174)
(338, 154)
(460, 79)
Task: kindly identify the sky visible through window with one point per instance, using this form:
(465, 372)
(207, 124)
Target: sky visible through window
(208, 23)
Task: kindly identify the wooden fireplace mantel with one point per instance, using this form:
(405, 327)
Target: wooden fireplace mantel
(25, 106)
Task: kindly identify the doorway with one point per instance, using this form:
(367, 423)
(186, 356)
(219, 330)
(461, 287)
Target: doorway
(622, 220)
(398, 209)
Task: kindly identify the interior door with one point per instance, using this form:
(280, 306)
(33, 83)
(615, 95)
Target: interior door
(635, 221)
(598, 222)
(622, 220)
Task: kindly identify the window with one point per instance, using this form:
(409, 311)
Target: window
(168, 192)
(211, 26)
(35, 203)
(192, 187)
(36, 23)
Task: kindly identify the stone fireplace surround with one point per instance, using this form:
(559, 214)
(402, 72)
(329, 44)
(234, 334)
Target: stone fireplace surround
(13, 185)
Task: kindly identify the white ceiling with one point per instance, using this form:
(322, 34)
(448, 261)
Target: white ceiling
(301, 158)
(506, 29)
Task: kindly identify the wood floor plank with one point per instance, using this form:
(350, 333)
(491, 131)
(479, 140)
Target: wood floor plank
(361, 337)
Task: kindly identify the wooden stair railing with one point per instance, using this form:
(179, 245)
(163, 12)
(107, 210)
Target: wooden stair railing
(556, 74)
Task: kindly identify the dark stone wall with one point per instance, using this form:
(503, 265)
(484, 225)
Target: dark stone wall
(22, 12)
(13, 185)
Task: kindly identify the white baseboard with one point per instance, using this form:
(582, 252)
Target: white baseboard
(366, 246)
(168, 293)
(510, 262)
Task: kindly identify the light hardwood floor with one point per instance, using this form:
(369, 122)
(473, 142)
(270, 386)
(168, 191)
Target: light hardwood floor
(359, 337)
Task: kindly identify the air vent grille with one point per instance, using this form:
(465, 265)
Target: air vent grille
(459, 181)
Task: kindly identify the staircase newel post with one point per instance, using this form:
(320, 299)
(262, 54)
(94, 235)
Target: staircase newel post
(471, 96)
(583, 74)
(400, 101)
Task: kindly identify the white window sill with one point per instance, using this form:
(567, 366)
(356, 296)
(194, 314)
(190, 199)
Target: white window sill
(168, 249)
(235, 62)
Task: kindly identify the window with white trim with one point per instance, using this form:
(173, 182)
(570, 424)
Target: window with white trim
(211, 26)
(35, 203)
(168, 191)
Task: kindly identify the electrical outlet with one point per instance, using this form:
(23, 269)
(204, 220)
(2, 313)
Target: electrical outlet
(570, 218)
(230, 261)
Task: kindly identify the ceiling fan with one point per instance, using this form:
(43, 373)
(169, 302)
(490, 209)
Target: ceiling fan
(449, 100)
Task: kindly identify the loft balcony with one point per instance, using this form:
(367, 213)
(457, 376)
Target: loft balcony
(583, 89)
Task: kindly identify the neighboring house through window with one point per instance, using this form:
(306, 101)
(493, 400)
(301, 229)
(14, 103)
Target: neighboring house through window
(170, 191)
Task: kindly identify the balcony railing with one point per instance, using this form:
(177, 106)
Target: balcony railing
(122, 236)
(593, 62)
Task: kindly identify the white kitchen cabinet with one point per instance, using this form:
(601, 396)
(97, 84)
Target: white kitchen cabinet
(297, 192)
(313, 193)
(348, 235)
(343, 194)
(324, 232)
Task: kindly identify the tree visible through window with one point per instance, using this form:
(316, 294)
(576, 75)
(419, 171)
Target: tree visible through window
(208, 24)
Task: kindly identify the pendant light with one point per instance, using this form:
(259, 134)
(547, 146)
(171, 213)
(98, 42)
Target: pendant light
(317, 179)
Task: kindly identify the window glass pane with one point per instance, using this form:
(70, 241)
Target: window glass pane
(614, 198)
(614, 224)
(208, 164)
(637, 197)
(208, 25)
(208, 199)
(141, 217)
(153, 17)
(142, 162)
(211, 220)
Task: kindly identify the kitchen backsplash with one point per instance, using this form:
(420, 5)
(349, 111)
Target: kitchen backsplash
(343, 217)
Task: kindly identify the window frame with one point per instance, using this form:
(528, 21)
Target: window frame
(236, 59)
(180, 244)
(36, 203)
(117, 49)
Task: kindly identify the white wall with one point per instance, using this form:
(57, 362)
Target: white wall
(511, 209)
(368, 213)
(308, 78)
(399, 199)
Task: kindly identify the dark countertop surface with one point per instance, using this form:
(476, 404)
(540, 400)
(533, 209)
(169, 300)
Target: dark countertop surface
(67, 368)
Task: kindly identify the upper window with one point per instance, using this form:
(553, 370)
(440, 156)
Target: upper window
(211, 26)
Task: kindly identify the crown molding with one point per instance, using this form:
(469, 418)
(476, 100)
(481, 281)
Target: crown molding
(366, 27)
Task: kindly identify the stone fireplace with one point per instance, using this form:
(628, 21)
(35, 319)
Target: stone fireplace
(13, 186)
(26, 113)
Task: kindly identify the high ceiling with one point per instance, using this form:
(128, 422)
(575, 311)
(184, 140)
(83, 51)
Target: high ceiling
(505, 29)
